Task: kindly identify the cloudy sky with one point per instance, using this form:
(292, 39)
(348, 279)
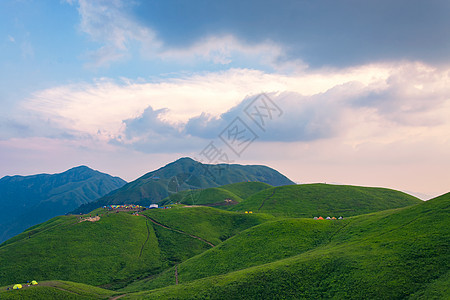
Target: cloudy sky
(350, 92)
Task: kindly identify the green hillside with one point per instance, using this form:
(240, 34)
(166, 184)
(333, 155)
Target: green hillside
(119, 247)
(217, 196)
(29, 200)
(185, 174)
(400, 253)
(258, 245)
(246, 189)
(309, 200)
(211, 196)
(209, 223)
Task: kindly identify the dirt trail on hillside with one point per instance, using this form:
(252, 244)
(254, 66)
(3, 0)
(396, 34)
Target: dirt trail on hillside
(117, 297)
(179, 231)
(148, 236)
(264, 201)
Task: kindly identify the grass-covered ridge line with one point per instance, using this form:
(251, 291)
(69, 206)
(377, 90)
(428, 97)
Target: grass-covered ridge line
(309, 200)
(209, 196)
(217, 196)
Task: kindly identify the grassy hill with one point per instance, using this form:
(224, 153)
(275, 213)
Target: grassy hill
(309, 200)
(185, 174)
(119, 247)
(29, 200)
(217, 196)
(400, 253)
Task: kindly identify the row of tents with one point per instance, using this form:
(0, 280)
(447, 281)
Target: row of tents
(18, 286)
(328, 218)
(123, 206)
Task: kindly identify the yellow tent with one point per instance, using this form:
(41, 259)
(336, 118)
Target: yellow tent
(34, 282)
(250, 212)
(246, 212)
(17, 286)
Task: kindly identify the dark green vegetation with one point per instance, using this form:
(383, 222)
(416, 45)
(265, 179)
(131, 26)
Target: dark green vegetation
(185, 174)
(398, 249)
(309, 200)
(217, 196)
(29, 200)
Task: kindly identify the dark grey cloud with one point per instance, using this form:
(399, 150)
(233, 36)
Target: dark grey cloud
(149, 133)
(321, 32)
(301, 118)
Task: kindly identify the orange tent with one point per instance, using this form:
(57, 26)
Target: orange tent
(319, 218)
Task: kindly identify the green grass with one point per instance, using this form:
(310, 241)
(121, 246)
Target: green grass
(392, 254)
(117, 249)
(209, 223)
(113, 251)
(57, 290)
(235, 191)
(395, 251)
(309, 200)
(201, 197)
(246, 189)
(258, 245)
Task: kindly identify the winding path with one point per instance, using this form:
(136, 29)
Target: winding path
(179, 231)
(148, 236)
(264, 201)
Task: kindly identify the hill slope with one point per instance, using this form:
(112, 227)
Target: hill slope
(217, 196)
(309, 200)
(185, 174)
(395, 254)
(117, 248)
(29, 200)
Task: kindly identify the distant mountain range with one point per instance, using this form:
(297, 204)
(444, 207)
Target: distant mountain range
(185, 174)
(29, 200)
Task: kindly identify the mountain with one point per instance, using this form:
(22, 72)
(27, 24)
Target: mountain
(29, 200)
(314, 200)
(184, 174)
(216, 254)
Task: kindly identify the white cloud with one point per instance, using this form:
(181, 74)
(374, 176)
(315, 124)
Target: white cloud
(364, 103)
(104, 104)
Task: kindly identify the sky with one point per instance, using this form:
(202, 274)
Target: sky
(346, 92)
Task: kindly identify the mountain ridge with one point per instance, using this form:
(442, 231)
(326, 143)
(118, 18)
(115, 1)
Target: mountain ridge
(31, 199)
(184, 174)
